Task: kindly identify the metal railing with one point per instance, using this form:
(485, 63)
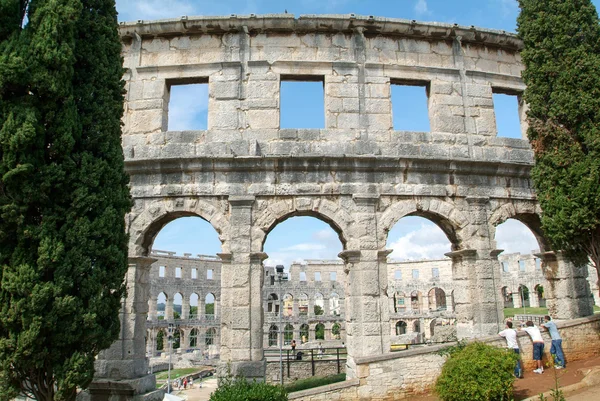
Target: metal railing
(312, 356)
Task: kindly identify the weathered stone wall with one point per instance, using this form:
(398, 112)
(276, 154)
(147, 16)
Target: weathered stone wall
(402, 374)
(244, 174)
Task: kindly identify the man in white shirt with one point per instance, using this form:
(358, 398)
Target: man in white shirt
(538, 345)
(511, 342)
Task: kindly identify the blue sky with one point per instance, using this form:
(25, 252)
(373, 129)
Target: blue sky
(412, 238)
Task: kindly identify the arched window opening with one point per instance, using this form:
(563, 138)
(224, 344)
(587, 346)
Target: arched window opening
(288, 305)
(177, 306)
(160, 340)
(524, 294)
(209, 306)
(432, 327)
(161, 305)
(416, 238)
(336, 330)
(304, 333)
(415, 301)
(539, 292)
(303, 305)
(272, 303)
(334, 304)
(320, 331)
(273, 334)
(400, 328)
(193, 338)
(193, 306)
(187, 235)
(417, 326)
(319, 308)
(515, 237)
(437, 299)
(288, 334)
(177, 337)
(209, 337)
(399, 305)
(507, 297)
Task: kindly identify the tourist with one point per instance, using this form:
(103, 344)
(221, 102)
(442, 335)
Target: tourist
(293, 346)
(556, 349)
(320, 351)
(511, 342)
(191, 383)
(538, 344)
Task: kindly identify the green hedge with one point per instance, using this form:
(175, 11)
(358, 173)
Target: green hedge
(241, 390)
(477, 372)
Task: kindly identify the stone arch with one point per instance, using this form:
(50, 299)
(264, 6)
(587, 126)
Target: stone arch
(275, 213)
(319, 328)
(436, 299)
(528, 213)
(144, 226)
(273, 335)
(444, 214)
(273, 303)
(400, 327)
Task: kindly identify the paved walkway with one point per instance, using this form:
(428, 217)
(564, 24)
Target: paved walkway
(199, 393)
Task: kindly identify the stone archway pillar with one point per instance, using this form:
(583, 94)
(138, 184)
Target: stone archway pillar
(169, 315)
(122, 369)
(534, 301)
(241, 297)
(152, 314)
(477, 302)
(516, 299)
(185, 308)
(568, 295)
(201, 314)
(449, 303)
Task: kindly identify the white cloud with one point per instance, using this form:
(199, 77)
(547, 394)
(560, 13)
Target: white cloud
(421, 7)
(514, 236)
(426, 242)
(188, 104)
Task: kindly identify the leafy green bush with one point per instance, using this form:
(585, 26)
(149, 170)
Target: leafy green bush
(240, 389)
(312, 382)
(477, 372)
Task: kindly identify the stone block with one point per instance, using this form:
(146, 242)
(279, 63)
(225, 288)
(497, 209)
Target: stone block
(258, 119)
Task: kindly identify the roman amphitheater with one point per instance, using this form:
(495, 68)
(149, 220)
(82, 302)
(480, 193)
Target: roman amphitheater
(245, 174)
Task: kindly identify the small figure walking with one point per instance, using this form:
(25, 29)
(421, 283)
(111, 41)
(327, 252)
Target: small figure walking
(320, 351)
(556, 349)
(511, 343)
(293, 346)
(538, 344)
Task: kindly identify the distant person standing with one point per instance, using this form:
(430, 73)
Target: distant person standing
(538, 344)
(556, 349)
(293, 346)
(511, 342)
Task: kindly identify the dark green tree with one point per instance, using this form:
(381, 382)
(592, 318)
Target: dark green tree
(63, 193)
(562, 71)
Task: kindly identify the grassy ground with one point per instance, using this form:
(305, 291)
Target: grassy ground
(311, 382)
(176, 373)
(510, 312)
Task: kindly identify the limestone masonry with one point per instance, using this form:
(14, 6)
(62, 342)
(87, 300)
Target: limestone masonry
(244, 174)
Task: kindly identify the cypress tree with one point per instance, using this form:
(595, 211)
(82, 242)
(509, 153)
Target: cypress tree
(63, 193)
(562, 72)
